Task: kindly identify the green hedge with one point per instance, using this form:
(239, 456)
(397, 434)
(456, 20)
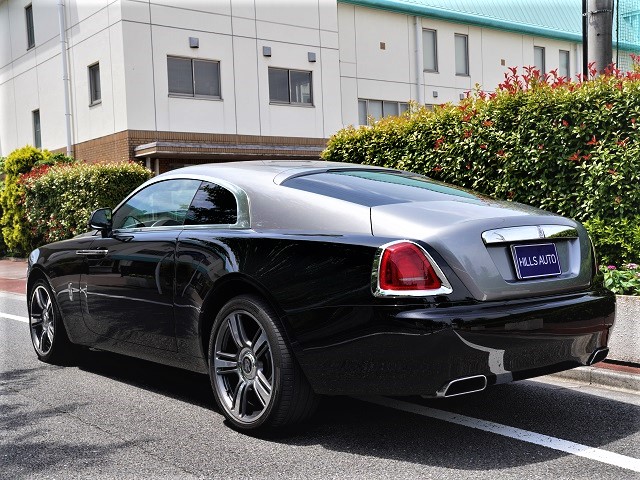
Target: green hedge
(14, 235)
(59, 199)
(3, 246)
(571, 148)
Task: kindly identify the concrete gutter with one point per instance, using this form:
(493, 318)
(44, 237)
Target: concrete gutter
(604, 375)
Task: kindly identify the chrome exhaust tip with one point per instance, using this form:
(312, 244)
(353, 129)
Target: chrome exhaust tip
(598, 355)
(461, 386)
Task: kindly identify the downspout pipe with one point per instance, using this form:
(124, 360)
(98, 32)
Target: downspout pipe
(65, 74)
(417, 21)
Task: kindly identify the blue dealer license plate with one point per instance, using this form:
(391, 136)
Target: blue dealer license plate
(535, 261)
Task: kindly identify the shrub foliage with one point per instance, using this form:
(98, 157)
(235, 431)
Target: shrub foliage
(569, 147)
(59, 199)
(12, 211)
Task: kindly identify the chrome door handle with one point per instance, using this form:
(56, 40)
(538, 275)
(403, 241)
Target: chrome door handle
(92, 253)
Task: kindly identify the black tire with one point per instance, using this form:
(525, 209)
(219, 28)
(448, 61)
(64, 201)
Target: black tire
(48, 334)
(291, 398)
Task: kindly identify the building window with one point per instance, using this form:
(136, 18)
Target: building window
(31, 37)
(95, 95)
(37, 138)
(430, 50)
(565, 69)
(290, 86)
(462, 54)
(538, 59)
(376, 109)
(189, 77)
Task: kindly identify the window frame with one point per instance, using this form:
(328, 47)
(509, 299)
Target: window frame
(367, 100)
(435, 50)
(466, 54)
(290, 103)
(193, 79)
(543, 70)
(151, 227)
(242, 201)
(37, 132)
(90, 69)
(31, 29)
(568, 55)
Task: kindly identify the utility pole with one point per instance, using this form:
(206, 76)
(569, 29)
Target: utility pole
(585, 40)
(600, 23)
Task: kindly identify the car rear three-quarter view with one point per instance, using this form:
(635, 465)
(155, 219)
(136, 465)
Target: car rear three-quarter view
(286, 280)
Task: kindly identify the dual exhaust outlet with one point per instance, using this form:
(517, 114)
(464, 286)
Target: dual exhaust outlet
(460, 386)
(477, 383)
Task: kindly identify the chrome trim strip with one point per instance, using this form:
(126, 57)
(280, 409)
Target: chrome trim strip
(92, 252)
(445, 287)
(529, 232)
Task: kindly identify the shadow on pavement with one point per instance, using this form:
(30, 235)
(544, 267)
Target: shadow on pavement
(349, 425)
(344, 424)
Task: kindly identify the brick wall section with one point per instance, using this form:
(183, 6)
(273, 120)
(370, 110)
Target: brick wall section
(121, 146)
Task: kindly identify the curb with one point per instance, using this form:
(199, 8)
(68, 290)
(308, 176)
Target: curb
(602, 377)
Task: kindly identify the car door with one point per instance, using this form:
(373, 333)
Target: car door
(129, 284)
(203, 255)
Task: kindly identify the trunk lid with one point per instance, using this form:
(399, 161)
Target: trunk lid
(474, 235)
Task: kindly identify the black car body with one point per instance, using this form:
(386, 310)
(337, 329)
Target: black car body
(313, 245)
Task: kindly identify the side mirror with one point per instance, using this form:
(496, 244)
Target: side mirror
(101, 220)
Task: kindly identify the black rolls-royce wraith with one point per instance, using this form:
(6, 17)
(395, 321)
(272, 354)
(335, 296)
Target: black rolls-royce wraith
(285, 280)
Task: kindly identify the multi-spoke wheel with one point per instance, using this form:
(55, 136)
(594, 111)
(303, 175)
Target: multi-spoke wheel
(48, 335)
(255, 379)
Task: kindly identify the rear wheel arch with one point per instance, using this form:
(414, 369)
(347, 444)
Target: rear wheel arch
(231, 286)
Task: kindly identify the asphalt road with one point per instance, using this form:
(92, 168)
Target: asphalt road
(114, 417)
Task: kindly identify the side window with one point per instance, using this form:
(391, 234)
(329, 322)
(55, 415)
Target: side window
(161, 204)
(212, 205)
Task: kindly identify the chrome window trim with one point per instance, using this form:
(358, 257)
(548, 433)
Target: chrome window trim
(242, 201)
(445, 287)
(529, 232)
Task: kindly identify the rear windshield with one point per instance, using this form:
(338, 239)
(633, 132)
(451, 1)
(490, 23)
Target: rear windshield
(372, 188)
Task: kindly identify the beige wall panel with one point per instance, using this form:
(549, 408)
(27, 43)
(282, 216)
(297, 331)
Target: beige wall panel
(246, 86)
(190, 20)
(138, 70)
(374, 27)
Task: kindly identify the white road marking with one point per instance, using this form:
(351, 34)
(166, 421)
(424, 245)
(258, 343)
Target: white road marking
(566, 446)
(14, 317)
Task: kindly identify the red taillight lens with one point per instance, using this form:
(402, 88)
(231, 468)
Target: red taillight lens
(404, 266)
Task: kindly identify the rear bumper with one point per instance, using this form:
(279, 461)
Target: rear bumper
(417, 351)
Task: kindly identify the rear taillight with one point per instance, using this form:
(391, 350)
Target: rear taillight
(404, 268)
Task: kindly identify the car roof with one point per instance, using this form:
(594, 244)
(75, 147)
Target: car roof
(246, 173)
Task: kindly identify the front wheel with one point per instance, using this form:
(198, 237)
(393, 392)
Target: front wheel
(48, 335)
(256, 381)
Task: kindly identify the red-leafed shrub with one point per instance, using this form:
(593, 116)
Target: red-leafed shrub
(59, 199)
(571, 147)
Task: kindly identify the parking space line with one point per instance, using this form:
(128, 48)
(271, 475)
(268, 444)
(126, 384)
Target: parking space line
(9, 316)
(554, 443)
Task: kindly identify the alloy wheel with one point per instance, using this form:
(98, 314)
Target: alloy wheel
(243, 366)
(42, 320)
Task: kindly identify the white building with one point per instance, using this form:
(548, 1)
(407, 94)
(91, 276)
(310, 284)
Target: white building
(180, 82)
